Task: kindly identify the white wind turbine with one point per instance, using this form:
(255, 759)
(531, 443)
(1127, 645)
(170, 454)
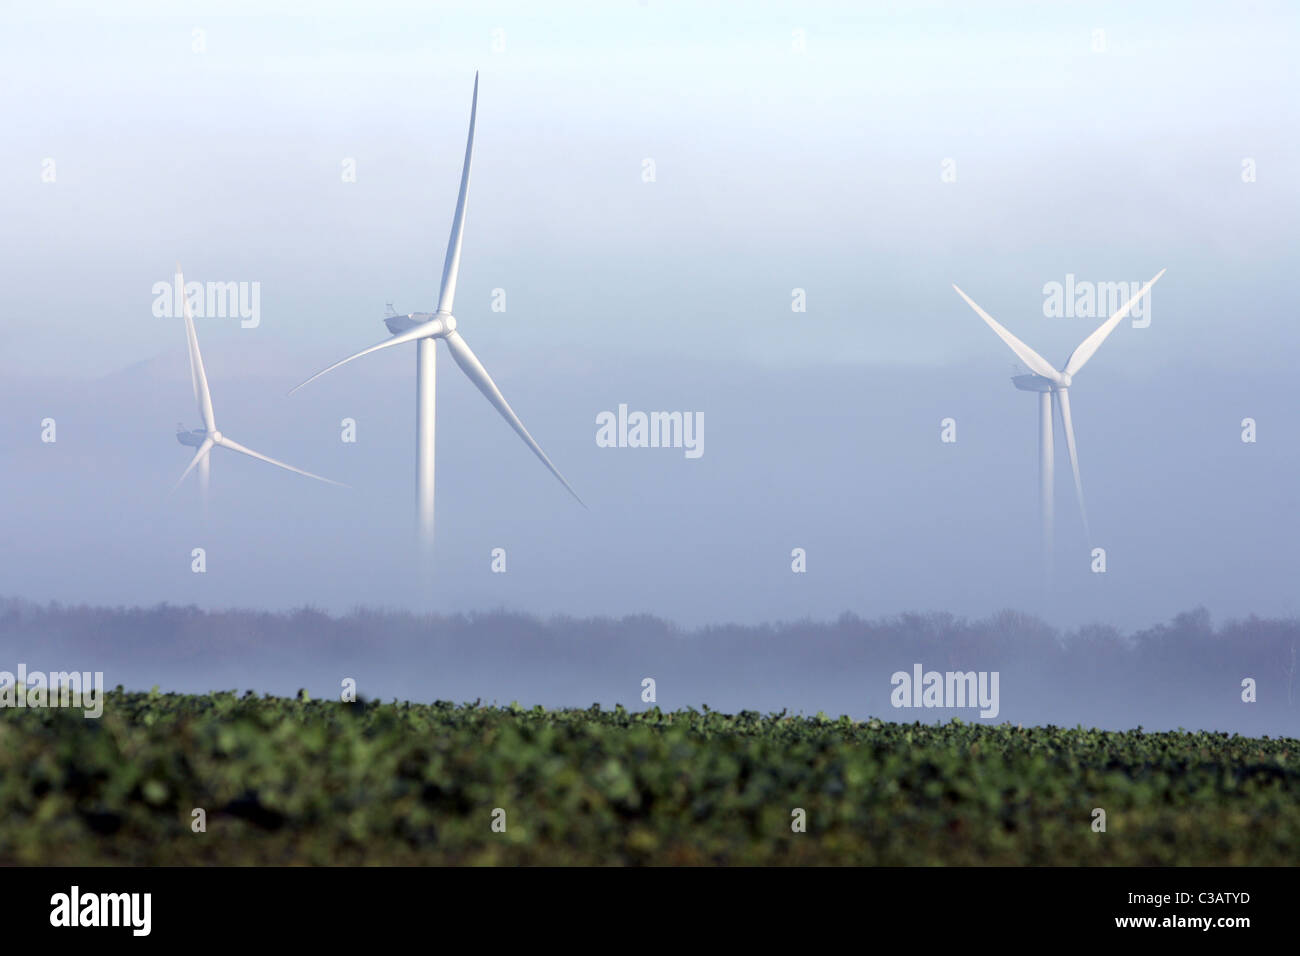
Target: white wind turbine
(425, 329)
(209, 436)
(1053, 388)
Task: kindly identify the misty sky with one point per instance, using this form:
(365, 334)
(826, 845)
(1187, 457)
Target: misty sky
(774, 170)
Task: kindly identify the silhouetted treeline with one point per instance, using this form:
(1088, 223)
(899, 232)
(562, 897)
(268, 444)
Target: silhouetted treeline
(1184, 673)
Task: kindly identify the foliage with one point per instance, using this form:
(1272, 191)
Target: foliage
(322, 782)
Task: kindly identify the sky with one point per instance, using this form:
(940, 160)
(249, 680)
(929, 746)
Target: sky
(869, 155)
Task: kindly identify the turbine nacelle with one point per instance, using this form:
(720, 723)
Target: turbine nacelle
(398, 324)
(401, 324)
(193, 437)
(1032, 383)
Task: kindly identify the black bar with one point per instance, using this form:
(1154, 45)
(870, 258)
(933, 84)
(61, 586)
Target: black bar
(974, 905)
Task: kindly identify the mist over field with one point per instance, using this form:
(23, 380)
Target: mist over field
(1184, 673)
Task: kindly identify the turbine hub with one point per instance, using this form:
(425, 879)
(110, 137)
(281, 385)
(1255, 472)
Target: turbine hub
(449, 323)
(1066, 379)
(215, 436)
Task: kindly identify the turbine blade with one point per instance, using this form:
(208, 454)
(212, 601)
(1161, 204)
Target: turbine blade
(1032, 359)
(1062, 397)
(1093, 342)
(198, 375)
(194, 377)
(420, 331)
(451, 267)
(473, 368)
(236, 446)
(198, 457)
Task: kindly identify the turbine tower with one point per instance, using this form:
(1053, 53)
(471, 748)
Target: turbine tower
(209, 436)
(425, 329)
(1053, 388)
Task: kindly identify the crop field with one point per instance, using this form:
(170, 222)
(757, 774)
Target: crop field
(294, 781)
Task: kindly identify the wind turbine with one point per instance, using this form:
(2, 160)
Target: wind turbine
(1053, 388)
(209, 436)
(425, 329)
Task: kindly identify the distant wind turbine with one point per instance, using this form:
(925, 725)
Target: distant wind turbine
(209, 436)
(425, 329)
(1053, 388)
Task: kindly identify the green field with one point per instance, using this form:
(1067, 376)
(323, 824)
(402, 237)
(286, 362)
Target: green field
(323, 782)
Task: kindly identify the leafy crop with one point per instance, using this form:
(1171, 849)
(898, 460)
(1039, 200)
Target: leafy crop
(322, 782)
